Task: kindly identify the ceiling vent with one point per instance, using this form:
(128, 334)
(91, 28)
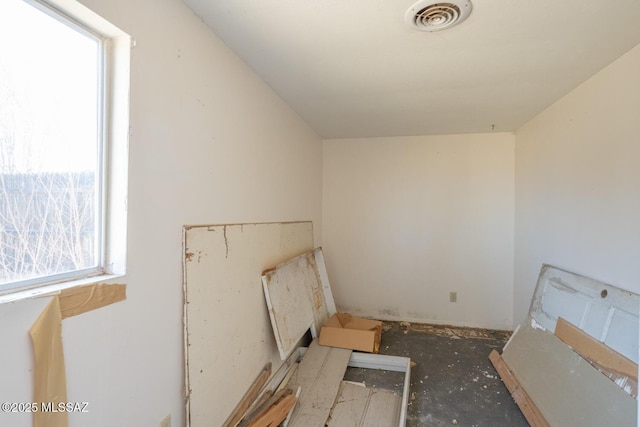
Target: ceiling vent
(427, 15)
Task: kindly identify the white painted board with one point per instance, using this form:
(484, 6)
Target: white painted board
(607, 313)
(228, 335)
(361, 406)
(319, 375)
(323, 276)
(299, 298)
(566, 389)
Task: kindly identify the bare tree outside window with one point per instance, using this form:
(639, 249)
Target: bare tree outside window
(50, 146)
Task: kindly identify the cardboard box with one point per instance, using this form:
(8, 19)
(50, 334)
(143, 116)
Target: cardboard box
(355, 333)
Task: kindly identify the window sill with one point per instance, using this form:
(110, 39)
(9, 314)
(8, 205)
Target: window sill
(54, 288)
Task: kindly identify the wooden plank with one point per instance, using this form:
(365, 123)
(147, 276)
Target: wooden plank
(520, 396)
(567, 390)
(258, 404)
(287, 378)
(285, 423)
(350, 406)
(319, 375)
(78, 300)
(264, 406)
(276, 414)
(251, 394)
(611, 363)
(277, 380)
(383, 409)
(361, 406)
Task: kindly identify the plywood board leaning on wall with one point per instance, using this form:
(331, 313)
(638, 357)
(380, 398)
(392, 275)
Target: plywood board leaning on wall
(228, 336)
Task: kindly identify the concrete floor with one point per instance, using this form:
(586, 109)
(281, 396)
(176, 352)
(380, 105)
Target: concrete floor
(453, 381)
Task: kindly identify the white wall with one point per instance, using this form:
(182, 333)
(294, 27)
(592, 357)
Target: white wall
(578, 184)
(408, 220)
(210, 143)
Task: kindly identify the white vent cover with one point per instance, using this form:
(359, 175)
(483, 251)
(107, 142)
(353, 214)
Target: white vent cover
(427, 15)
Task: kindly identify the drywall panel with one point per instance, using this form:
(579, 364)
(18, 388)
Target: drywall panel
(408, 220)
(228, 331)
(577, 199)
(582, 396)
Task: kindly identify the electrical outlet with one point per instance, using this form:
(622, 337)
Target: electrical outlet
(166, 421)
(453, 296)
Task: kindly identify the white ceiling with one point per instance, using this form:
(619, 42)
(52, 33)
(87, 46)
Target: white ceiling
(352, 68)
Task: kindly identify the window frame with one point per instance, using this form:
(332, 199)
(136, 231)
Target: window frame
(113, 132)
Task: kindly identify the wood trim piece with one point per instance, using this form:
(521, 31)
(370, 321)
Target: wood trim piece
(323, 276)
(285, 381)
(276, 413)
(597, 353)
(259, 405)
(248, 398)
(80, 299)
(520, 396)
(276, 381)
(285, 423)
(260, 410)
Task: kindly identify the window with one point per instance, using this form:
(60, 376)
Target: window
(59, 101)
